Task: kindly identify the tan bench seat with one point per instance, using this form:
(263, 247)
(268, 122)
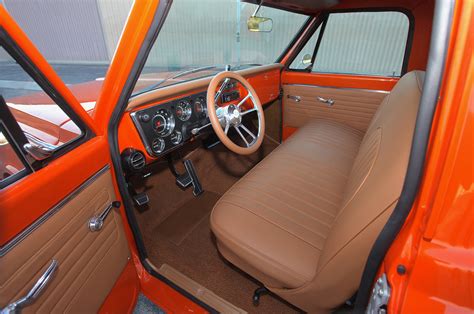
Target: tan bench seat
(304, 219)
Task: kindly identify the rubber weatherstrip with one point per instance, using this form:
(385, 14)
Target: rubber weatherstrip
(429, 99)
(158, 20)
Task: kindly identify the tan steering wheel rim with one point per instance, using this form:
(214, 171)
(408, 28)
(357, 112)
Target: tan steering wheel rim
(216, 120)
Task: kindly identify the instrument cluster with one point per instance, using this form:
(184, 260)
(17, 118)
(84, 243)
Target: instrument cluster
(167, 126)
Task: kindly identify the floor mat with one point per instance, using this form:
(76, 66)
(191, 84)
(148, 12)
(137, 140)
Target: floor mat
(182, 222)
(194, 253)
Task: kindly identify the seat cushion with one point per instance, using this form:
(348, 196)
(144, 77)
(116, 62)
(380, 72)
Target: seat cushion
(273, 223)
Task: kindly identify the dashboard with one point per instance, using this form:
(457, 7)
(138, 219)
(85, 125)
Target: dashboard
(163, 120)
(167, 126)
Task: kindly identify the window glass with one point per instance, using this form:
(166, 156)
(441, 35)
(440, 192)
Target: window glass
(371, 43)
(40, 118)
(10, 163)
(77, 37)
(308, 50)
(211, 34)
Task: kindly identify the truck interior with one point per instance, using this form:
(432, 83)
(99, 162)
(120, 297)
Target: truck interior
(267, 184)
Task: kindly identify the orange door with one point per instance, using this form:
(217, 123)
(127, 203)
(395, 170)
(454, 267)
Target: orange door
(63, 244)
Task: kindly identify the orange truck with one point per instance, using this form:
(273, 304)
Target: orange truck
(237, 156)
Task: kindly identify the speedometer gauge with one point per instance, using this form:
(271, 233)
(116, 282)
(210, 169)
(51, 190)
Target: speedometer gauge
(200, 107)
(184, 110)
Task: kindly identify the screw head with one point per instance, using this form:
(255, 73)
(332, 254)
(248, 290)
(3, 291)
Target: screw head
(401, 269)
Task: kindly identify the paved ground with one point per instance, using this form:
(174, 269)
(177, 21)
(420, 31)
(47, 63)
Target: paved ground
(145, 306)
(15, 82)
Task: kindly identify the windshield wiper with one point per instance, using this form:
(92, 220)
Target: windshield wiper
(177, 75)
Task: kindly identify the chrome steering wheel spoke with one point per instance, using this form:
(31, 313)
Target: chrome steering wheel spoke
(236, 127)
(227, 125)
(244, 138)
(223, 119)
(254, 137)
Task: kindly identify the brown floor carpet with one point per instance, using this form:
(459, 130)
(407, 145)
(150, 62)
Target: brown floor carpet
(179, 225)
(176, 226)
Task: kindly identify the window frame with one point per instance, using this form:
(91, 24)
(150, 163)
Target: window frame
(322, 21)
(13, 143)
(17, 54)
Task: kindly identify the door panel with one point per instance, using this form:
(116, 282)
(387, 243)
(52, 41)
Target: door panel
(353, 107)
(89, 263)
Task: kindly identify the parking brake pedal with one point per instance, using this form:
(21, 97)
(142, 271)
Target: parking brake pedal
(189, 178)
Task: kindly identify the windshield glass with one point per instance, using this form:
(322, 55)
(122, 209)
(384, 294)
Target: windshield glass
(199, 38)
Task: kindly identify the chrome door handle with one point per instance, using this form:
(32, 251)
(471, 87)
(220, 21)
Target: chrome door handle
(32, 295)
(295, 98)
(96, 222)
(327, 101)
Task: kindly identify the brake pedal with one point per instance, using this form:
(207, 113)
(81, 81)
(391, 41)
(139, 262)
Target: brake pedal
(189, 178)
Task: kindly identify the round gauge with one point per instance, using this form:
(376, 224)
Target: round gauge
(200, 107)
(184, 110)
(158, 145)
(163, 122)
(176, 137)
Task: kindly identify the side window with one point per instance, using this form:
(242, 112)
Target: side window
(46, 126)
(38, 115)
(304, 58)
(362, 43)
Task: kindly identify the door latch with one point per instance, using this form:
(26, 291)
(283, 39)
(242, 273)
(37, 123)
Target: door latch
(327, 101)
(294, 98)
(32, 295)
(96, 222)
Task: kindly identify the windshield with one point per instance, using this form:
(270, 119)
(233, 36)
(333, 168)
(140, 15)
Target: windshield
(199, 38)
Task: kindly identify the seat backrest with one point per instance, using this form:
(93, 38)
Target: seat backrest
(372, 189)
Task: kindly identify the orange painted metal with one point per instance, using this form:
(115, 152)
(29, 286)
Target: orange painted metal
(339, 80)
(124, 294)
(287, 131)
(436, 244)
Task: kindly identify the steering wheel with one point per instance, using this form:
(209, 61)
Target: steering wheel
(230, 116)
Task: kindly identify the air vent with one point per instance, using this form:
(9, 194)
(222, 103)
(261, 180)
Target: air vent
(137, 161)
(133, 160)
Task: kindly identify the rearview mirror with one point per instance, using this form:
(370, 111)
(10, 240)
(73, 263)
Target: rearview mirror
(260, 24)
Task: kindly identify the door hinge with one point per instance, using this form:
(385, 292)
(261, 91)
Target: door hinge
(380, 296)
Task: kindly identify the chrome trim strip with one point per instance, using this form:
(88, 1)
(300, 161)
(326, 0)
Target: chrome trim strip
(344, 88)
(22, 235)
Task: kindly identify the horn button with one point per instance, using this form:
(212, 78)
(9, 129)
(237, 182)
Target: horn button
(233, 115)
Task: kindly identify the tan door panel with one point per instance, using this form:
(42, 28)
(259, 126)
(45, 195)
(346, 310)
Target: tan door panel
(89, 263)
(353, 107)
